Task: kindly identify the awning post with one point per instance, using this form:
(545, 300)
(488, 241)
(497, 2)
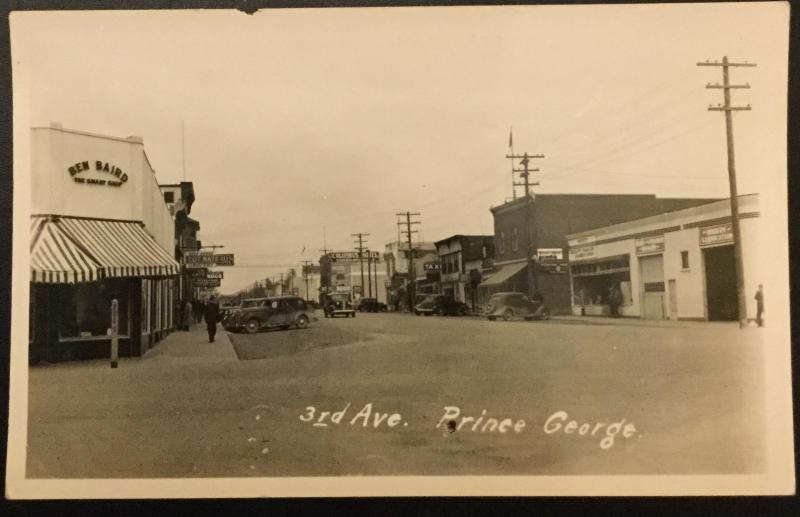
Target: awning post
(114, 332)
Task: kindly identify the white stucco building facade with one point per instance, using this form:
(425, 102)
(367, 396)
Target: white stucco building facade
(678, 265)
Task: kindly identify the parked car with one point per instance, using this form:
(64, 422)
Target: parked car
(516, 305)
(338, 304)
(371, 305)
(440, 304)
(275, 312)
(230, 320)
(225, 313)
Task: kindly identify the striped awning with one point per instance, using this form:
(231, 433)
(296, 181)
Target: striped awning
(55, 259)
(119, 248)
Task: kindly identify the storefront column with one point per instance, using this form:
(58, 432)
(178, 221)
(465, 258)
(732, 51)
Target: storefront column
(135, 344)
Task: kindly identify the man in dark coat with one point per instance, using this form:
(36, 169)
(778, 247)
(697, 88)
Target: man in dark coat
(211, 315)
(760, 305)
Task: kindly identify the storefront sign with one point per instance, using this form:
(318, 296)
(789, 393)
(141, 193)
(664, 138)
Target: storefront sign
(581, 252)
(549, 255)
(207, 282)
(714, 235)
(198, 272)
(582, 241)
(352, 256)
(215, 274)
(115, 176)
(648, 245)
(223, 259)
(207, 259)
(432, 266)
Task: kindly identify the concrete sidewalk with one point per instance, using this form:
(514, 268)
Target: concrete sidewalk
(192, 347)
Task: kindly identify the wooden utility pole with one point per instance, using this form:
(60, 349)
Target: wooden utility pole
(306, 265)
(410, 291)
(360, 248)
(529, 251)
(369, 272)
(728, 109)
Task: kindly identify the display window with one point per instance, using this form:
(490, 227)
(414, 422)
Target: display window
(85, 309)
(593, 283)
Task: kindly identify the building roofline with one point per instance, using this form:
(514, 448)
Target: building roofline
(658, 217)
(463, 236)
(57, 127)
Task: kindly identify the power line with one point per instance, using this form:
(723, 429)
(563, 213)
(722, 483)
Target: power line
(728, 109)
(409, 223)
(360, 248)
(524, 174)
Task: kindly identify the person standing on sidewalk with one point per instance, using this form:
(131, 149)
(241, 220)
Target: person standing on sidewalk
(760, 305)
(211, 314)
(187, 315)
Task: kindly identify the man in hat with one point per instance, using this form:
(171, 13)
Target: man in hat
(211, 314)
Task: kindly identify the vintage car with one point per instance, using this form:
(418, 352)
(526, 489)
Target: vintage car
(338, 304)
(440, 304)
(516, 305)
(274, 312)
(371, 305)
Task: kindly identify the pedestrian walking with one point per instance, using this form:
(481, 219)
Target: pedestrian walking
(760, 305)
(178, 314)
(187, 315)
(211, 315)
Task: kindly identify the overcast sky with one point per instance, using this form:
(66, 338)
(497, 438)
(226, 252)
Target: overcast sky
(299, 120)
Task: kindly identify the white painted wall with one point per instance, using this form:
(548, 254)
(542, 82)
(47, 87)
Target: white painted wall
(54, 190)
(690, 282)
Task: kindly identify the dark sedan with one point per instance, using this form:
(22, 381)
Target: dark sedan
(371, 305)
(441, 305)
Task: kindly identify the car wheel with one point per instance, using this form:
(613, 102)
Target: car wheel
(545, 315)
(253, 326)
(302, 321)
(418, 313)
(462, 311)
(508, 315)
(427, 314)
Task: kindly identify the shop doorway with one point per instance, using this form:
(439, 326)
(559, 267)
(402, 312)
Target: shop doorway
(673, 299)
(652, 269)
(720, 270)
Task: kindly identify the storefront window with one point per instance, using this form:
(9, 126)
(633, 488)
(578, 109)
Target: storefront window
(85, 309)
(592, 283)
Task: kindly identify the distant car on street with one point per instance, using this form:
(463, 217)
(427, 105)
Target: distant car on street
(371, 305)
(515, 305)
(338, 304)
(441, 305)
(281, 312)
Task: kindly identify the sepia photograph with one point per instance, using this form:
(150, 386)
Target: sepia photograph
(382, 251)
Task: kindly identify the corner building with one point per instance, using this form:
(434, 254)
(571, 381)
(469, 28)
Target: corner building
(100, 230)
